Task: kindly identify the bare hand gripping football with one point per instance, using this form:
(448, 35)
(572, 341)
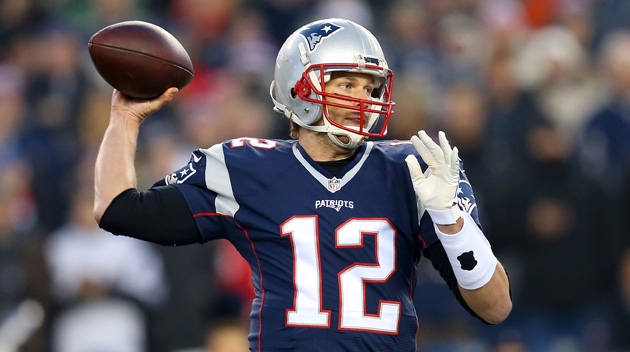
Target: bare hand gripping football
(140, 59)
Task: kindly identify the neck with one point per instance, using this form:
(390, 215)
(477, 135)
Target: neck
(321, 148)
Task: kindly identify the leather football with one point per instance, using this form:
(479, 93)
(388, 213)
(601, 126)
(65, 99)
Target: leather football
(140, 59)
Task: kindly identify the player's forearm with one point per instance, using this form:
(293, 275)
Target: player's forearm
(482, 280)
(492, 301)
(115, 170)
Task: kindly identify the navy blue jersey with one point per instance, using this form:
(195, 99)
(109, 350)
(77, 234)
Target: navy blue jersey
(333, 258)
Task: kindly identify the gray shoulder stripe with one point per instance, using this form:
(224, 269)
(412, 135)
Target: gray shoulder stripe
(218, 180)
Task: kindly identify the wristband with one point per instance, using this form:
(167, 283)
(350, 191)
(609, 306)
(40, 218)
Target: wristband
(445, 217)
(470, 254)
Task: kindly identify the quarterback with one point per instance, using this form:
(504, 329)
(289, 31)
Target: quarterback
(333, 225)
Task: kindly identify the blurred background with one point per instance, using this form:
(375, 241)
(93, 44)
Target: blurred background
(535, 93)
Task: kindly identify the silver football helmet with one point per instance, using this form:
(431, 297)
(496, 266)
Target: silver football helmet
(304, 65)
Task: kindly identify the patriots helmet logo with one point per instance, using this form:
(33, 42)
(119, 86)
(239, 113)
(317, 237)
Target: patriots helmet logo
(316, 33)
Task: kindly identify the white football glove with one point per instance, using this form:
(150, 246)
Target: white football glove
(438, 191)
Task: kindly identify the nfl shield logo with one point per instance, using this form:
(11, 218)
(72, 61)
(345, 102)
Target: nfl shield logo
(334, 184)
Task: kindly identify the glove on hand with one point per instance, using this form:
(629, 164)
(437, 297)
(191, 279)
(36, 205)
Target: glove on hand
(438, 191)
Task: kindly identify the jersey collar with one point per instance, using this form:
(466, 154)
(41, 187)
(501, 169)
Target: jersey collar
(327, 180)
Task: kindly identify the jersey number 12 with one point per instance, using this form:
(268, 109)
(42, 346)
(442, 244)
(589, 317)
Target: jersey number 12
(307, 310)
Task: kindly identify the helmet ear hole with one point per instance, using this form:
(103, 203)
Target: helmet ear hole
(293, 93)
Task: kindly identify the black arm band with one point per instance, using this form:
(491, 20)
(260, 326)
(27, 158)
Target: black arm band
(439, 259)
(159, 215)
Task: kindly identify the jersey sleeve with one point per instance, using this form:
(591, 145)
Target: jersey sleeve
(205, 184)
(466, 197)
(159, 215)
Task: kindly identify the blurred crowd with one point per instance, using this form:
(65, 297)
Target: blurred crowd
(534, 93)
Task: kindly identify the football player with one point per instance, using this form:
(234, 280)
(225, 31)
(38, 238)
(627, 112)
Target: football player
(332, 225)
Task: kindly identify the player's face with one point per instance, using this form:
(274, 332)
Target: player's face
(350, 84)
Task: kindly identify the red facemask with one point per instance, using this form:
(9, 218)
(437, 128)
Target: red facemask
(373, 114)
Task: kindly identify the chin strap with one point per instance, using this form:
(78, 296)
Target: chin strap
(354, 140)
(337, 134)
(334, 133)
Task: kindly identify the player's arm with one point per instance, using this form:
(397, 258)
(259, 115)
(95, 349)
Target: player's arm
(482, 280)
(159, 215)
(115, 170)
(491, 301)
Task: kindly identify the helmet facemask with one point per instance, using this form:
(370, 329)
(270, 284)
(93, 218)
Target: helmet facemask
(374, 113)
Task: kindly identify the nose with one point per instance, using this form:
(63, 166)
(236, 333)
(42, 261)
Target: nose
(363, 95)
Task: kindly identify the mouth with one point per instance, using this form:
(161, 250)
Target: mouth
(353, 120)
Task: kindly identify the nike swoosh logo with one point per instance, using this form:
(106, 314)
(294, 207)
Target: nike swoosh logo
(196, 158)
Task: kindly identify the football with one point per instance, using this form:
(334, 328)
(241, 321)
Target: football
(140, 59)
